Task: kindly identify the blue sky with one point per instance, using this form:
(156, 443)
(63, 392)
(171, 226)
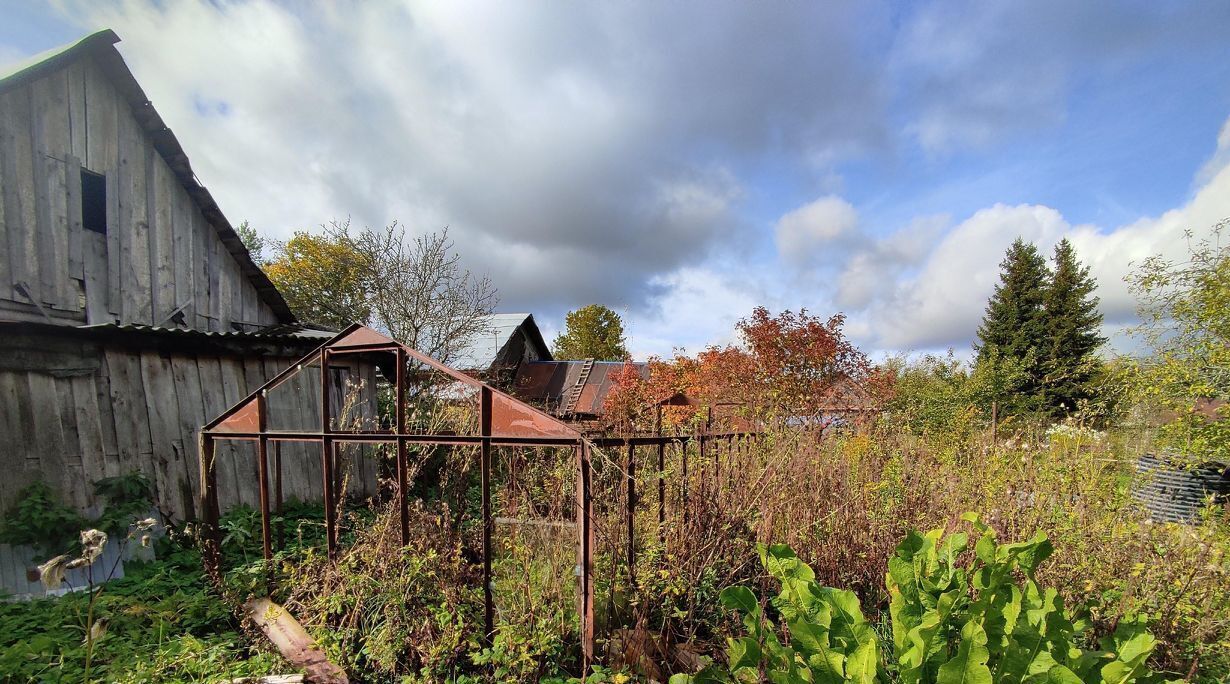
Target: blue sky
(685, 162)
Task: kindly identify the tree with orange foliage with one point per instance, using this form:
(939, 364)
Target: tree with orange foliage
(799, 359)
(790, 367)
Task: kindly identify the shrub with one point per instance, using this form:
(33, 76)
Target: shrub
(951, 623)
(40, 520)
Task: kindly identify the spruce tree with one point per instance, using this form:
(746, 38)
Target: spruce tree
(1014, 327)
(1073, 331)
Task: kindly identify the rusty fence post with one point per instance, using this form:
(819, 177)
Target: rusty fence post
(403, 479)
(209, 507)
(732, 463)
(277, 493)
(704, 468)
(326, 469)
(657, 430)
(683, 494)
(326, 458)
(630, 514)
(484, 420)
(262, 470)
(585, 565)
(661, 491)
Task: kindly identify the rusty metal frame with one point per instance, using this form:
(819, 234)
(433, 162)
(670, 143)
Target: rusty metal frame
(503, 421)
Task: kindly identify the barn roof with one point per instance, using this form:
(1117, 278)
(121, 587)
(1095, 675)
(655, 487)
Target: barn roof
(100, 47)
(44, 339)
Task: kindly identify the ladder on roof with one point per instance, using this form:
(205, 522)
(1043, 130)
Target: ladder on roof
(574, 392)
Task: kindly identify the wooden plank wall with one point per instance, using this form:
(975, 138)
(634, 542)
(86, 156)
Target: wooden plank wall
(139, 411)
(16, 560)
(160, 253)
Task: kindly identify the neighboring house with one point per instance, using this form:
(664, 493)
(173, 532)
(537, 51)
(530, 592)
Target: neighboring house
(848, 401)
(512, 354)
(130, 311)
(506, 341)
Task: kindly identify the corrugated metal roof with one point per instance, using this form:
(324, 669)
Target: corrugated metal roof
(482, 350)
(547, 382)
(281, 331)
(1173, 493)
(100, 46)
(284, 339)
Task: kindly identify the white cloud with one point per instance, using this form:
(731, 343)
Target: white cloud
(697, 307)
(942, 304)
(1220, 158)
(804, 232)
(926, 285)
(879, 264)
(590, 142)
(593, 152)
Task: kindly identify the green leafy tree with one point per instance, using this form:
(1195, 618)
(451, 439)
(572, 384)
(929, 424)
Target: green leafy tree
(254, 241)
(321, 276)
(945, 401)
(591, 332)
(1014, 326)
(1185, 309)
(1074, 333)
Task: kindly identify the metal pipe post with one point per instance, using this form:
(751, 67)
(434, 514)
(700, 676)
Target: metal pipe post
(277, 493)
(262, 468)
(683, 455)
(630, 515)
(209, 507)
(326, 468)
(484, 420)
(586, 565)
(403, 479)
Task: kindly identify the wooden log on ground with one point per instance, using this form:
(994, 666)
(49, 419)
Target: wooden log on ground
(293, 642)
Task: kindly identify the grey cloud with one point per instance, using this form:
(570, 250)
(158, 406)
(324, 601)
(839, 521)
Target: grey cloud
(598, 143)
(585, 152)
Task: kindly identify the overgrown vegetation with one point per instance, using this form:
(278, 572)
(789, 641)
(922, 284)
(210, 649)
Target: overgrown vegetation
(951, 623)
(161, 623)
(40, 520)
(843, 504)
(851, 462)
(1185, 307)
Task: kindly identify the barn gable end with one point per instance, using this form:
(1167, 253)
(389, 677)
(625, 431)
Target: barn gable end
(101, 217)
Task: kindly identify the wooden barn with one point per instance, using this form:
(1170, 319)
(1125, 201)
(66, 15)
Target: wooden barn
(130, 311)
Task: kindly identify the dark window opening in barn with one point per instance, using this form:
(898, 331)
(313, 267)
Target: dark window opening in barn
(94, 201)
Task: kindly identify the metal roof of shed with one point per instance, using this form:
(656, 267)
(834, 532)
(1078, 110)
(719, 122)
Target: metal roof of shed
(546, 382)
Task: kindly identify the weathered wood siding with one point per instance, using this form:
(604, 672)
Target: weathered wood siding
(159, 255)
(73, 412)
(16, 561)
